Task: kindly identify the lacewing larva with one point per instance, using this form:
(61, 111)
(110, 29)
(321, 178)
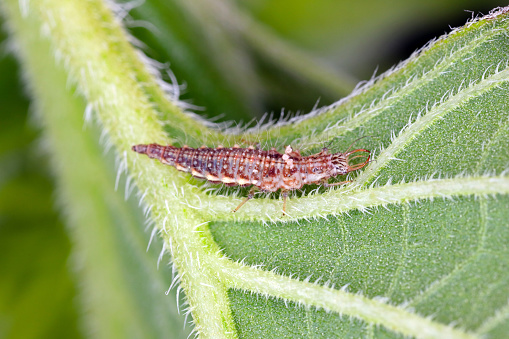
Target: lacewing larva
(266, 170)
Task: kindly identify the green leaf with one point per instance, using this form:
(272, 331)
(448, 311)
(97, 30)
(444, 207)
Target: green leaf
(415, 246)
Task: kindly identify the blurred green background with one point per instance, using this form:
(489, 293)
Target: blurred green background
(208, 54)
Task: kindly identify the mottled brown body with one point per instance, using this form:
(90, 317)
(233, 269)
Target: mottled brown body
(267, 170)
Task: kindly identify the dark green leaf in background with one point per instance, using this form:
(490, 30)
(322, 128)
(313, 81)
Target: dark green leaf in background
(34, 246)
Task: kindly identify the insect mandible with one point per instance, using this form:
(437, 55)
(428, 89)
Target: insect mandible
(268, 171)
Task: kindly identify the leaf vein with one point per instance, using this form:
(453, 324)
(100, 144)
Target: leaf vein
(371, 311)
(340, 202)
(425, 121)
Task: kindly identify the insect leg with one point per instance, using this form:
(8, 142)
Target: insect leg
(249, 196)
(285, 196)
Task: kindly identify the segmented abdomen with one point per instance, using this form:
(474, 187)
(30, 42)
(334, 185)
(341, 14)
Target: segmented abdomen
(268, 170)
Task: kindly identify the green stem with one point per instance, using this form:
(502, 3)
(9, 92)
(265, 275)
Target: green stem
(102, 224)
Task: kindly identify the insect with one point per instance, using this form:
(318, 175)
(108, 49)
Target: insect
(268, 171)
